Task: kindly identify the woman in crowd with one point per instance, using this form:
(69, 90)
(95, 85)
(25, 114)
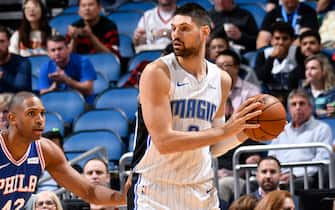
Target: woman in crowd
(276, 200)
(245, 202)
(30, 38)
(320, 82)
(47, 200)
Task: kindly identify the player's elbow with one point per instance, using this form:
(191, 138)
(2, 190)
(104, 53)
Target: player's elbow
(162, 146)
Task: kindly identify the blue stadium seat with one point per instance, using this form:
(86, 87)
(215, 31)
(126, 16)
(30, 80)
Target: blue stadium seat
(54, 120)
(120, 98)
(251, 58)
(256, 10)
(82, 141)
(36, 63)
(136, 6)
(111, 119)
(126, 21)
(61, 22)
(100, 84)
(123, 79)
(107, 64)
(260, 2)
(126, 46)
(69, 104)
(149, 55)
(34, 83)
(206, 4)
(70, 10)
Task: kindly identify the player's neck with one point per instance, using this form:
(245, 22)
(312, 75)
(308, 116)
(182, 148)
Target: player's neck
(16, 145)
(195, 65)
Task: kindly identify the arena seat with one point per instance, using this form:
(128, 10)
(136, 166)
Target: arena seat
(54, 120)
(82, 141)
(111, 119)
(126, 21)
(69, 104)
(120, 98)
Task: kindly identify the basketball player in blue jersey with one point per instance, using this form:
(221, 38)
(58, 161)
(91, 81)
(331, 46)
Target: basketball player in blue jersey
(24, 155)
(181, 122)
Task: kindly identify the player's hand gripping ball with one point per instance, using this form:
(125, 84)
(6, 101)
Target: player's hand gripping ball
(272, 120)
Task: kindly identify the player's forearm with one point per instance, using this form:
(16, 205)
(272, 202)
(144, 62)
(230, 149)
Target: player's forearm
(100, 195)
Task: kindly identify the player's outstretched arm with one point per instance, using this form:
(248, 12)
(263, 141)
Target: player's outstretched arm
(155, 102)
(235, 125)
(70, 179)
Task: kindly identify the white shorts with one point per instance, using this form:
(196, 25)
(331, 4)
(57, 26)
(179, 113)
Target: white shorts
(150, 195)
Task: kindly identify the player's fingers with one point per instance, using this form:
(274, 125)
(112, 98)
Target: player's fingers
(249, 109)
(251, 115)
(251, 126)
(248, 102)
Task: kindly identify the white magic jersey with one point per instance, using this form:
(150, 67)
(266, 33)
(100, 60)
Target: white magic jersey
(193, 105)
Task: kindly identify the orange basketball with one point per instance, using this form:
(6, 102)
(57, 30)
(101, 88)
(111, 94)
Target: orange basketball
(272, 120)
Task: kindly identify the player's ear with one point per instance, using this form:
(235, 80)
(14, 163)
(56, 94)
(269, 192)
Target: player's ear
(11, 117)
(205, 30)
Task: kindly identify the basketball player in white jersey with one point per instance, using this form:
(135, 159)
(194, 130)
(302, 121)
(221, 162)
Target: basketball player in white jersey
(181, 122)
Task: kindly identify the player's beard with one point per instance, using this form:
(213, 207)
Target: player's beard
(187, 52)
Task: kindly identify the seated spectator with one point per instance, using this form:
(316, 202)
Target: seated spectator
(239, 24)
(229, 61)
(15, 71)
(276, 66)
(5, 99)
(216, 43)
(93, 33)
(47, 200)
(299, 15)
(320, 83)
(245, 202)
(327, 30)
(30, 38)
(154, 28)
(268, 178)
(96, 172)
(303, 128)
(66, 70)
(309, 44)
(277, 199)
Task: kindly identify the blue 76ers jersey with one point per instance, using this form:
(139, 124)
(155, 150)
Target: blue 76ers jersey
(19, 178)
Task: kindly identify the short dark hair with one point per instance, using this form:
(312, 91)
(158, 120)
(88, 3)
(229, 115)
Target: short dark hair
(282, 27)
(56, 38)
(5, 30)
(196, 12)
(269, 158)
(231, 53)
(98, 2)
(312, 33)
(218, 33)
(18, 98)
